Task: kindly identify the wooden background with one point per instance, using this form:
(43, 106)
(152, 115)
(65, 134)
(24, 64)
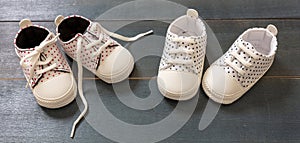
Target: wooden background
(269, 112)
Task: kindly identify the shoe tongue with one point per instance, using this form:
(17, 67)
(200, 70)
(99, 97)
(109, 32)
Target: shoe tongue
(93, 31)
(177, 35)
(249, 45)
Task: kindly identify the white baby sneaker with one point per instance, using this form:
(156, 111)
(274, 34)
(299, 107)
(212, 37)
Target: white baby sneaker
(91, 46)
(100, 54)
(181, 64)
(47, 72)
(246, 61)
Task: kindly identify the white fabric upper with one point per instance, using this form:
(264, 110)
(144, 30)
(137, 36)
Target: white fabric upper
(46, 70)
(182, 61)
(193, 31)
(50, 51)
(245, 62)
(264, 48)
(105, 62)
(92, 47)
(92, 34)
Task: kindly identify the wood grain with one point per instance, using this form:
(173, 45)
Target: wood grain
(46, 10)
(269, 112)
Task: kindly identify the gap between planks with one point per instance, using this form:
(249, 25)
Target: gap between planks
(149, 78)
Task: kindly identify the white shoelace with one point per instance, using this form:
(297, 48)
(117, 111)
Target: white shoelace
(245, 63)
(34, 58)
(79, 64)
(181, 50)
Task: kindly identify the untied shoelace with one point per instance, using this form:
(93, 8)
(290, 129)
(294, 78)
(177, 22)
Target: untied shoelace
(100, 49)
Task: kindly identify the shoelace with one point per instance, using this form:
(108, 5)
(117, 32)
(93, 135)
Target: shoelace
(244, 62)
(181, 50)
(79, 64)
(34, 58)
(115, 35)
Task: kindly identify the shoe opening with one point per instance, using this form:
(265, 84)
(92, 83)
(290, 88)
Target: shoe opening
(261, 40)
(72, 26)
(31, 37)
(187, 26)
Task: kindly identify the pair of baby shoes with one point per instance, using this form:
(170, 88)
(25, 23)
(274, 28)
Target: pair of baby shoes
(180, 72)
(46, 70)
(229, 77)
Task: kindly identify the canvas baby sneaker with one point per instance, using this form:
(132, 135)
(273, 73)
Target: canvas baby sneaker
(47, 72)
(181, 64)
(99, 53)
(91, 46)
(246, 61)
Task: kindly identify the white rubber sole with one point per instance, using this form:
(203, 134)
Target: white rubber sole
(64, 100)
(120, 76)
(222, 98)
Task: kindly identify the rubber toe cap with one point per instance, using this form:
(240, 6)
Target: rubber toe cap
(178, 83)
(115, 63)
(220, 83)
(55, 87)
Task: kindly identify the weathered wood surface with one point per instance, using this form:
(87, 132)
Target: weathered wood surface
(46, 10)
(269, 112)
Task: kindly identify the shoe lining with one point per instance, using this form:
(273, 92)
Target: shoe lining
(72, 26)
(187, 26)
(260, 39)
(31, 37)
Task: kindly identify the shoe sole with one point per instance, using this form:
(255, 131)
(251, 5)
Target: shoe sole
(62, 101)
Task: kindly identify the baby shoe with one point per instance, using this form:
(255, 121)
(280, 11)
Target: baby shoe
(91, 46)
(46, 70)
(100, 54)
(246, 61)
(181, 64)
